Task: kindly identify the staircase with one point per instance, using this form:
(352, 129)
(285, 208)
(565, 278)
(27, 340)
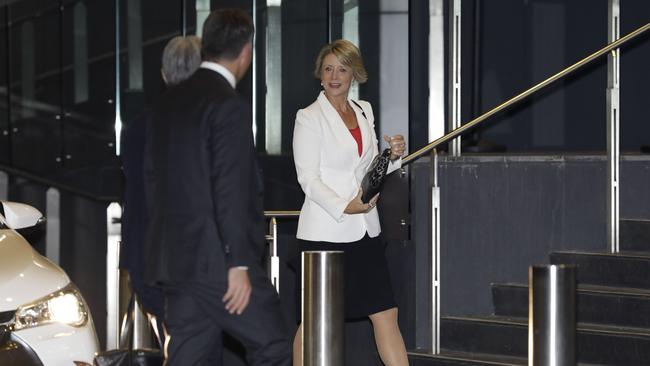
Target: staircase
(613, 300)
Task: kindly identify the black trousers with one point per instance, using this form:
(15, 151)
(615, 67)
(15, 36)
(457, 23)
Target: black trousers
(196, 316)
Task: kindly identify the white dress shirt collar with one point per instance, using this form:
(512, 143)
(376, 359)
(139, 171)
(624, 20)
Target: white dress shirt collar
(221, 70)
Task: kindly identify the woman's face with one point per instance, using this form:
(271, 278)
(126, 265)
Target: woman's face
(335, 77)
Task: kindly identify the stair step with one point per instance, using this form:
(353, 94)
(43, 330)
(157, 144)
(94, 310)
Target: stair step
(626, 269)
(453, 358)
(596, 304)
(597, 344)
(634, 234)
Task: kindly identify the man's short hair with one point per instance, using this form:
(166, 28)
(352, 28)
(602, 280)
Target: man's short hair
(181, 57)
(225, 32)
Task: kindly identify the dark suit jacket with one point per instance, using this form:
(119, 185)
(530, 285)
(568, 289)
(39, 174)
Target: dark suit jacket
(134, 215)
(204, 191)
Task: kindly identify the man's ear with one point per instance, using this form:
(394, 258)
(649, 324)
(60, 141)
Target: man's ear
(246, 52)
(243, 60)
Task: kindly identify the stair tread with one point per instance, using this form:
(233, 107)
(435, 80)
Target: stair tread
(582, 327)
(585, 288)
(479, 358)
(633, 219)
(605, 253)
(488, 359)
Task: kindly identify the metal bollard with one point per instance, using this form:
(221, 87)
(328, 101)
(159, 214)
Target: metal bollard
(552, 315)
(322, 308)
(141, 328)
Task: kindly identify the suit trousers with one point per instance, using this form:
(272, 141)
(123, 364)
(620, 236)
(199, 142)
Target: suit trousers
(196, 316)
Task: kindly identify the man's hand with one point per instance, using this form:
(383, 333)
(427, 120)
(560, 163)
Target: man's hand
(239, 291)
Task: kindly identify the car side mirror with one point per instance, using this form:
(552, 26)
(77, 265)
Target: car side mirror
(20, 216)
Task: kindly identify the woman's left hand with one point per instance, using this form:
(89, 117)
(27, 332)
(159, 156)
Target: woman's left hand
(397, 146)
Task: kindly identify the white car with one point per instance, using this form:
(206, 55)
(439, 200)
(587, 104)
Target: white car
(44, 320)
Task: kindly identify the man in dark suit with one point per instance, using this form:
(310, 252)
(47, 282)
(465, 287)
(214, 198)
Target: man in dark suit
(206, 236)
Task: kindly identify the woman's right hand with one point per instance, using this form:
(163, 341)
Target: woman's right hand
(356, 206)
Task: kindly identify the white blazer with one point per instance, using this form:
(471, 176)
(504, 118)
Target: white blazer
(330, 171)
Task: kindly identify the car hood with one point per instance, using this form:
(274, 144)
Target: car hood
(25, 275)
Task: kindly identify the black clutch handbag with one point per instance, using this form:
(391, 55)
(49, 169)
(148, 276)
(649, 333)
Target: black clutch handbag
(375, 176)
(125, 357)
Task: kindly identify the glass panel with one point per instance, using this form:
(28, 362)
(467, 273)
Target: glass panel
(145, 28)
(351, 32)
(88, 76)
(273, 123)
(513, 53)
(189, 17)
(5, 147)
(304, 32)
(35, 85)
(635, 79)
(202, 9)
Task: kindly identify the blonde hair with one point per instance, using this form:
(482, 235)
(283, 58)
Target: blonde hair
(348, 54)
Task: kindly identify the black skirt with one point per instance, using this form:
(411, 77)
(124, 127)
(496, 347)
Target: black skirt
(367, 283)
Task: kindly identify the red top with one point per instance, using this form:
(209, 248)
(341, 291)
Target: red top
(356, 133)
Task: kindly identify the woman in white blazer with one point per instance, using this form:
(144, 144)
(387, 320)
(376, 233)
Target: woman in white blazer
(334, 142)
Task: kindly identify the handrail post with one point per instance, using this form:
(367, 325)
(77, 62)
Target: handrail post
(322, 308)
(4, 186)
(141, 328)
(274, 265)
(552, 315)
(53, 225)
(436, 69)
(613, 138)
(435, 255)
(454, 75)
(113, 231)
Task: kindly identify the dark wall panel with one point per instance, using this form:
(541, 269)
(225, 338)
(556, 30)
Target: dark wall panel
(34, 56)
(304, 32)
(500, 215)
(585, 123)
(635, 79)
(521, 43)
(5, 139)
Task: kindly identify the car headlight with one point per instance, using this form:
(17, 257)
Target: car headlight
(63, 306)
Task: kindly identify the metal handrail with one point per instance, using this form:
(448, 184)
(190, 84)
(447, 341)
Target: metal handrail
(62, 187)
(458, 131)
(281, 213)
(272, 239)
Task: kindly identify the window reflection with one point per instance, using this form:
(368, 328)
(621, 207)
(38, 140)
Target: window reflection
(134, 44)
(273, 121)
(27, 75)
(80, 50)
(202, 12)
(351, 33)
(35, 85)
(88, 77)
(5, 152)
